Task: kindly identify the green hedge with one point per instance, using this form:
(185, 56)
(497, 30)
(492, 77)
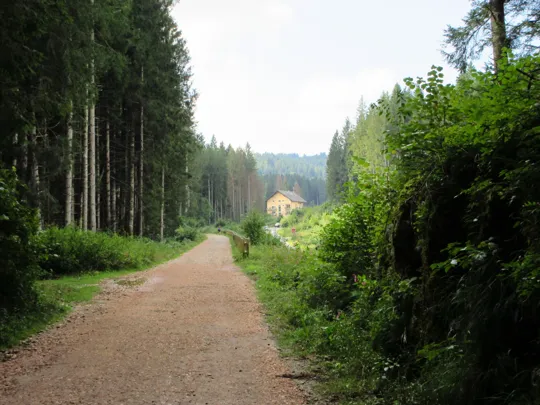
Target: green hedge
(72, 251)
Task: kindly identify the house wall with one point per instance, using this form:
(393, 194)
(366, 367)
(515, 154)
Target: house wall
(278, 204)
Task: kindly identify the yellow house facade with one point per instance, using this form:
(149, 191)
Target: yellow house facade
(283, 203)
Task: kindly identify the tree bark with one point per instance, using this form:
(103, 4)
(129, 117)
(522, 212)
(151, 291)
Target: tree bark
(98, 179)
(188, 196)
(498, 30)
(249, 192)
(209, 201)
(162, 214)
(113, 203)
(24, 163)
(92, 118)
(15, 142)
(69, 174)
(85, 170)
(108, 173)
(141, 165)
(131, 219)
(35, 175)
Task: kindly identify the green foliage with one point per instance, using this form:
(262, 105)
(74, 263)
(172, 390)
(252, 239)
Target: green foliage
(252, 225)
(187, 234)
(73, 251)
(468, 41)
(424, 288)
(346, 242)
(18, 266)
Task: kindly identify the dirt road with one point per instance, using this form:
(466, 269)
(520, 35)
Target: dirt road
(193, 333)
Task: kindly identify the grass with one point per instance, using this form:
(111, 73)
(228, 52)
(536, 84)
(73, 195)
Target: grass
(300, 294)
(57, 297)
(308, 223)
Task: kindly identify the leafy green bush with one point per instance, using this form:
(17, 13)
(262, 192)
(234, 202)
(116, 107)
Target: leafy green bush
(252, 226)
(186, 234)
(72, 251)
(18, 266)
(269, 240)
(346, 241)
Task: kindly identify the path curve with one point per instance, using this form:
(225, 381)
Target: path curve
(193, 333)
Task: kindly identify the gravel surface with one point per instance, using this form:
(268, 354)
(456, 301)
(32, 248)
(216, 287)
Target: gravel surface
(191, 333)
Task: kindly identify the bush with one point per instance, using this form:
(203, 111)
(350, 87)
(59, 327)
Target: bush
(18, 267)
(72, 251)
(252, 225)
(269, 240)
(187, 234)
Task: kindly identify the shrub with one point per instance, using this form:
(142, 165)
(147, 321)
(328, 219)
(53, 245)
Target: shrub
(252, 225)
(269, 240)
(18, 267)
(70, 250)
(187, 234)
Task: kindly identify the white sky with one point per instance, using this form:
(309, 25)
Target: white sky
(284, 74)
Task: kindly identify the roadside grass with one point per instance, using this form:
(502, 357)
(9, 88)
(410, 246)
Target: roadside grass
(300, 294)
(58, 297)
(273, 269)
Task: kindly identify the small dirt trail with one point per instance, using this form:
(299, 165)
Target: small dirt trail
(193, 333)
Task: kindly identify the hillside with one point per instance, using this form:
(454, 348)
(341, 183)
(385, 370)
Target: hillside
(292, 163)
(303, 174)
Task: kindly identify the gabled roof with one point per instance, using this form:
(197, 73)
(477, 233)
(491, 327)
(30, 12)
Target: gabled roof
(291, 195)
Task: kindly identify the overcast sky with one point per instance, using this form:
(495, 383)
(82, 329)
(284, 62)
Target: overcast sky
(284, 74)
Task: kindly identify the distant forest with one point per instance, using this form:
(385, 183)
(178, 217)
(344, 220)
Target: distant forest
(303, 174)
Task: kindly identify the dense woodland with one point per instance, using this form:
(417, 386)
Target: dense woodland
(226, 183)
(97, 112)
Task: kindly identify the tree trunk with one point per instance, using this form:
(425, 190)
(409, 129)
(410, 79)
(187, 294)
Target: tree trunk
(85, 170)
(249, 192)
(209, 201)
(108, 173)
(92, 171)
(188, 197)
(162, 216)
(233, 202)
(35, 175)
(131, 219)
(113, 203)
(92, 118)
(141, 165)
(24, 163)
(498, 30)
(69, 174)
(15, 142)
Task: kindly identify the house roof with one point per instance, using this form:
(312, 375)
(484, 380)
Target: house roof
(291, 195)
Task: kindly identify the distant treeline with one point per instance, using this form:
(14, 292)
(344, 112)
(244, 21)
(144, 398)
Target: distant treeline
(303, 174)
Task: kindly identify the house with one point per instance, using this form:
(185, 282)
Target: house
(283, 202)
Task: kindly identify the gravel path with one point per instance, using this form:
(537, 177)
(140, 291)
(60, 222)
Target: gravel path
(193, 333)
